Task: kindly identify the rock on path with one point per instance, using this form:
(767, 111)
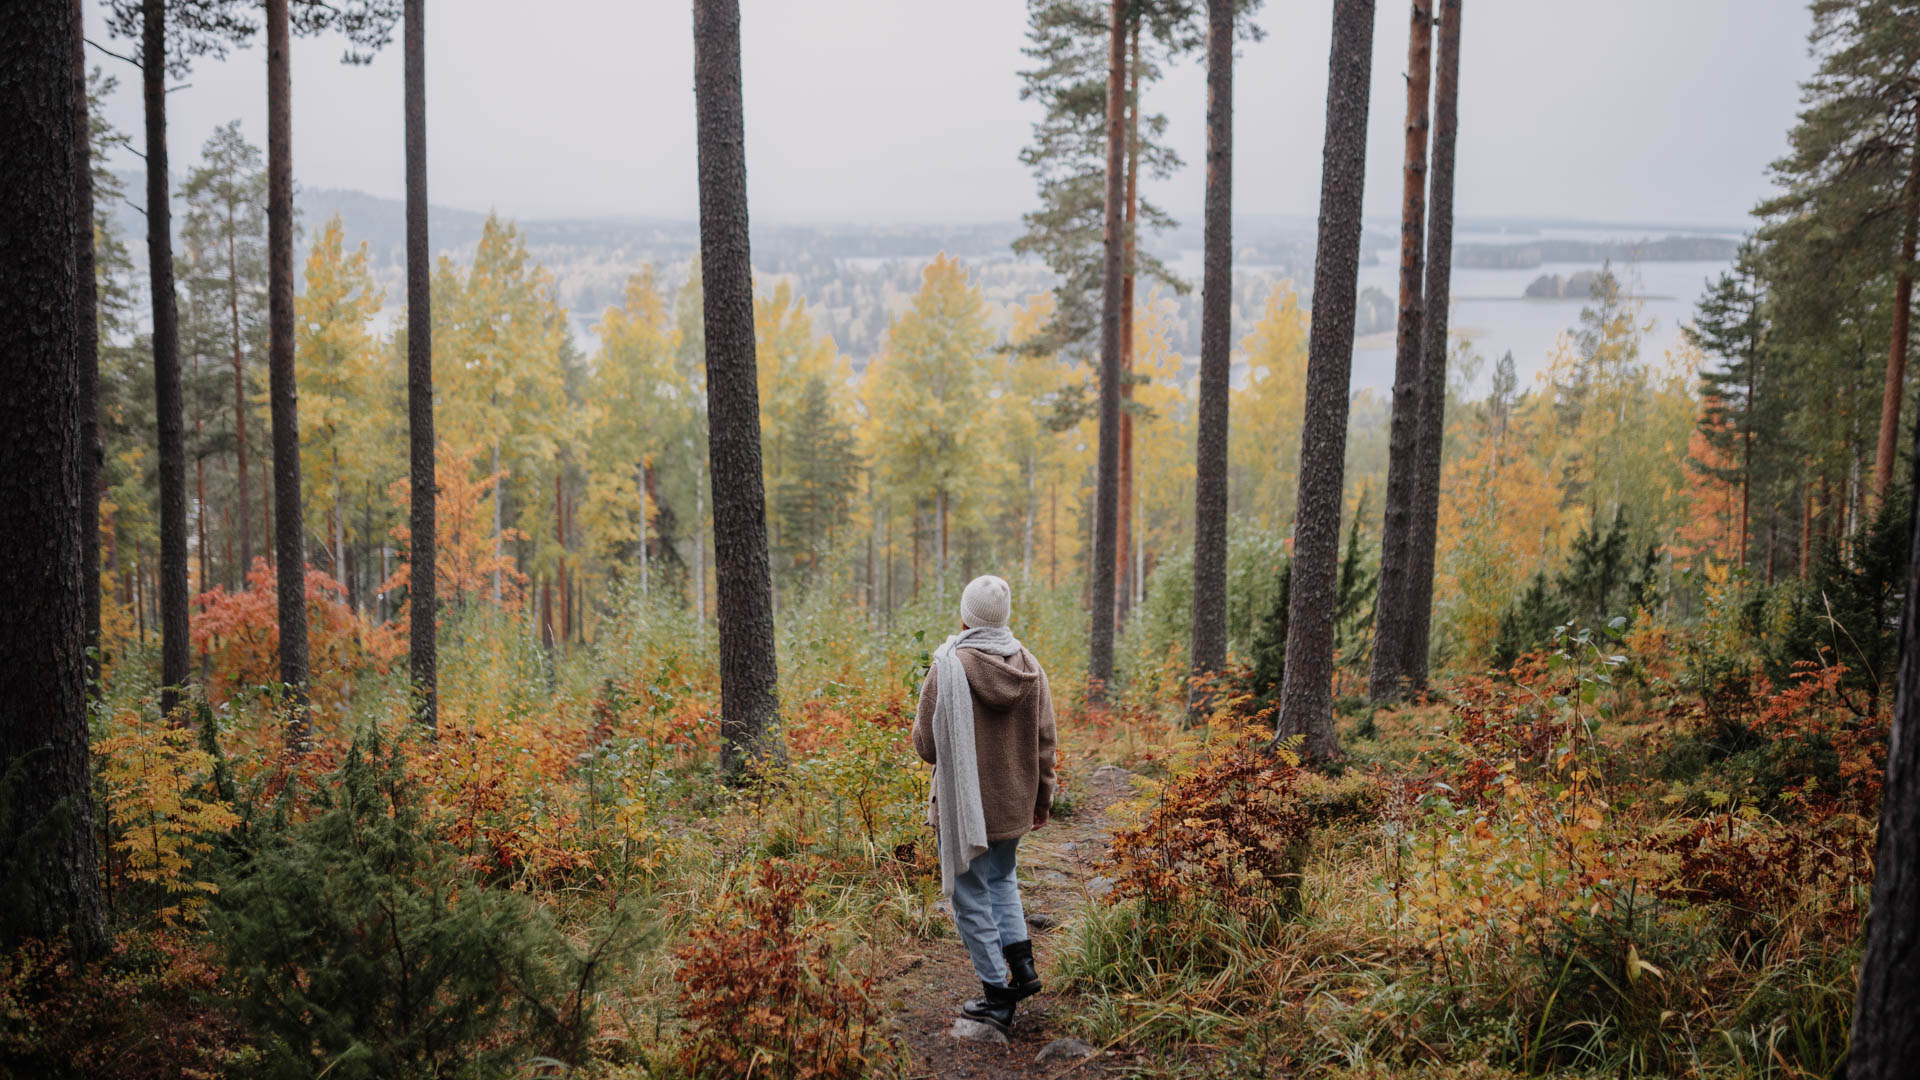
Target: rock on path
(1063, 1049)
(975, 1031)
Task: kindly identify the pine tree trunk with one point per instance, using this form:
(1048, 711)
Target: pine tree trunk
(200, 501)
(499, 522)
(1306, 702)
(643, 532)
(749, 682)
(337, 558)
(1216, 345)
(1106, 506)
(1391, 611)
(1026, 523)
(167, 398)
(560, 542)
(1895, 392)
(1124, 555)
(1806, 527)
(43, 624)
(1746, 459)
(1433, 347)
(266, 511)
(87, 316)
(1886, 1041)
(242, 499)
(288, 539)
(1139, 574)
(423, 650)
(699, 549)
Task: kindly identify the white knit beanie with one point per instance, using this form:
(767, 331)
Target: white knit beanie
(987, 601)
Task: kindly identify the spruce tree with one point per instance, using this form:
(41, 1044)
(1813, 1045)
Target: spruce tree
(815, 496)
(1729, 324)
(1852, 177)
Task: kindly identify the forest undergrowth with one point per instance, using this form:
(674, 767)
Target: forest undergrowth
(1632, 853)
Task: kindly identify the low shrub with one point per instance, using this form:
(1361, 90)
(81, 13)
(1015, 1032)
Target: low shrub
(1227, 828)
(147, 1008)
(763, 995)
(357, 945)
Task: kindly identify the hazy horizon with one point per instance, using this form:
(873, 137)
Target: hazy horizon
(1613, 114)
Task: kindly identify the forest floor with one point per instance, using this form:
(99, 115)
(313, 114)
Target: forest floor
(1058, 874)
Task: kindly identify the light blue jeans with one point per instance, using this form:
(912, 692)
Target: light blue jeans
(987, 911)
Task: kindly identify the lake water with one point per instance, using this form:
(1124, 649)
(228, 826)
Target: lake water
(1490, 312)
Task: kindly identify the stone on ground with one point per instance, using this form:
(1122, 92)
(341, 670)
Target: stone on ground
(1040, 920)
(975, 1031)
(1099, 887)
(1062, 1049)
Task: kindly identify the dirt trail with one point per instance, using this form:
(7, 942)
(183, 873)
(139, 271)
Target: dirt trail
(925, 989)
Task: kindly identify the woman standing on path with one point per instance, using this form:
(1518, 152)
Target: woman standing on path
(986, 726)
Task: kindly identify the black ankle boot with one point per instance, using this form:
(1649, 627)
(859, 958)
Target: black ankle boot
(1023, 977)
(996, 1008)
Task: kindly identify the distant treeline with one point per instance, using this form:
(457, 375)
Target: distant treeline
(1534, 253)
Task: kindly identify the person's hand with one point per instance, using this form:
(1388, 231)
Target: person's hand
(1039, 819)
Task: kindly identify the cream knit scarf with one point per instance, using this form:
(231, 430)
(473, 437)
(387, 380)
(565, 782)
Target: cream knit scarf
(955, 809)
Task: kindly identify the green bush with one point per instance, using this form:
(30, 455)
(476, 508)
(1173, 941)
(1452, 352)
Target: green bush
(1162, 626)
(1601, 581)
(1847, 612)
(357, 947)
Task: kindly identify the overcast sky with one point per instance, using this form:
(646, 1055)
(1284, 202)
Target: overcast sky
(1645, 111)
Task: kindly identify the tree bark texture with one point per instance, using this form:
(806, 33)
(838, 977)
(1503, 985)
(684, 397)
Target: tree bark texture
(1306, 702)
(86, 314)
(422, 601)
(749, 677)
(1433, 346)
(1886, 1038)
(289, 540)
(1106, 503)
(1895, 392)
(241, 500)
(48, 838)
(1216, 345)
(1391, 615)
(1125, 554)
(167, 399)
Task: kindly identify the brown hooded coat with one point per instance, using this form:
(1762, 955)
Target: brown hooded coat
(1012, 737)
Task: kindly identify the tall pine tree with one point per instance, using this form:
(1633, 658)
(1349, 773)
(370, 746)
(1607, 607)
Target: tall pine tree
(47, 856)
(1852, 177)
(1216, 329)
(1396, 551)
(1306, 702)
(749, 677)
(423, 655)
(1431, 430)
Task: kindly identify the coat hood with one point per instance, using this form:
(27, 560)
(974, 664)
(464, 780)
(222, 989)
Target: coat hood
(1000, 682)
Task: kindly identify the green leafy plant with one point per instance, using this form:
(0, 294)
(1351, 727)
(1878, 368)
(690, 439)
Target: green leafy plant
(357, 946)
